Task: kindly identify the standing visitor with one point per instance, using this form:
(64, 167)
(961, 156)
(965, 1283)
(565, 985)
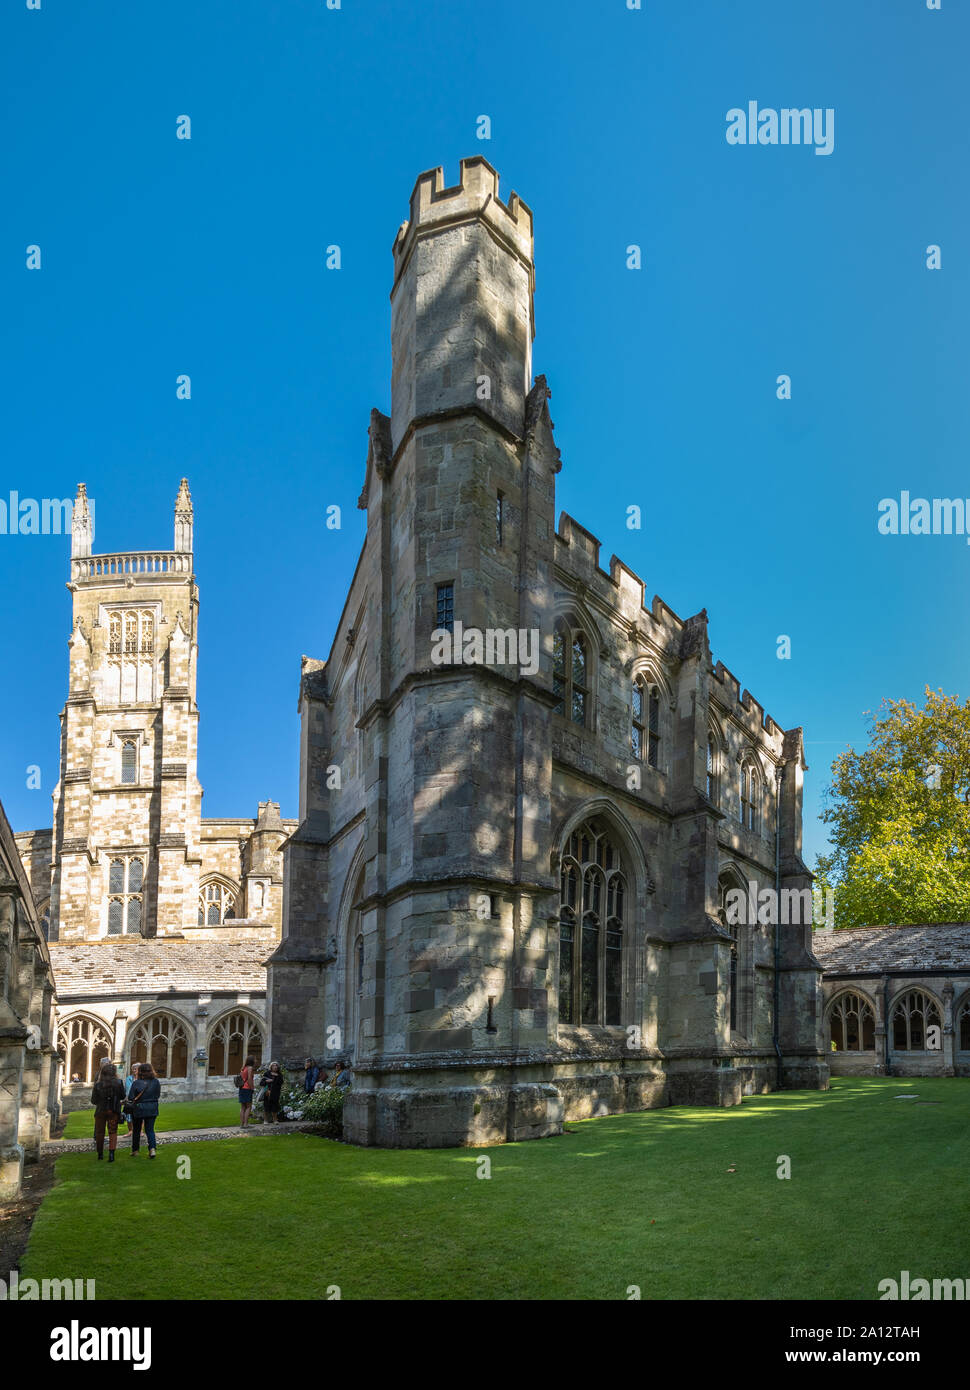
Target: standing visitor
(143, 1099)
(273, 1082)
(311, 1075)
(129, 1082)
(247, 1082)
(107, 1098)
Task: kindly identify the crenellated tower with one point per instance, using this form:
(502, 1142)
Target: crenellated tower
(128, 740)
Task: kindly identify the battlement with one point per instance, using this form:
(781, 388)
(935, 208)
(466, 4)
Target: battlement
(474, 198)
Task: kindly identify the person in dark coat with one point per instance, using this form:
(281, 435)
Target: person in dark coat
(107, 1098)
(143, 1099)
(272, 1080)
(311, 1075)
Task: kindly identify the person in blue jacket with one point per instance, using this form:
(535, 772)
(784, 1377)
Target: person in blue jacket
(311, 1075)
(143, 1098)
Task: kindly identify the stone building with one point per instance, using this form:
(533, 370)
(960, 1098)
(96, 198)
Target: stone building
(29, 1064)
(158, 919)
(524, 794)
(897, 1000)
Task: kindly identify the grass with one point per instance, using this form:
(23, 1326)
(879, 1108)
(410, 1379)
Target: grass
(184, 1114)
(877, 1186)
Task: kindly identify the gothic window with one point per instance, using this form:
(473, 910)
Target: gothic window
(963, 1026)
(131, 634)
(85, 1044)
(217, 904)
(912, 1015)
(146, 633)
(750, 797)
(570, 673)
(591, 919)
(645, 725)
(129, 761)
(445, 608)
(711, 768)
(126, 875)
(852, 1024)
(114, 637)
(162, 1041)
(724, 886)
(234, 1038)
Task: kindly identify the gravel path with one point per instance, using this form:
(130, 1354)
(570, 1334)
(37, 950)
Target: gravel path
(181, 1136)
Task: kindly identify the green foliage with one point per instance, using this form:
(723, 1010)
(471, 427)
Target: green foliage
(643, 1199)
(899, 814)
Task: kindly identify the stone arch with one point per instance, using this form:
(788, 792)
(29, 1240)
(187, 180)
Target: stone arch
(865, 1027)
(932, 1013)
(961, 1023)
(228, 1044)
(638, 886)
(575, 615)
(86, 1041)
(144, 1041)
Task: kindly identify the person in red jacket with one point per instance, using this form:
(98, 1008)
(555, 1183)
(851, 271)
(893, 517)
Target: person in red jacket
(248, 1078)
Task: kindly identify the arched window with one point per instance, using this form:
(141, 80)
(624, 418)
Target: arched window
(852, 1024)
(963, 1026)
(645, 722)
(161, 1040)
(711, 768)
(217, 904)
(592, 902)
(129, 762)
(86, 1043)
(126, 876)
(913, 1014)
(570, 673)
(234, 1038)
(750, 795)
(725, 885)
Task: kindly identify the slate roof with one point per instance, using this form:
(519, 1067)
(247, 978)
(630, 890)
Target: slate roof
(871, 950)
(163, 965)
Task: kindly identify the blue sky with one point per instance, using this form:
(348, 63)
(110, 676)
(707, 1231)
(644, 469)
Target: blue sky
(309, 127)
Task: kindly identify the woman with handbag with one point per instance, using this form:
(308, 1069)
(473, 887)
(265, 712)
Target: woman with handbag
(107, 1098)
(246, 1080)
(143, 1101)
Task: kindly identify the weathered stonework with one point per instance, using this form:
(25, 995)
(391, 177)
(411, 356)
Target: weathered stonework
(429, 790)
(132, 879)
(29, 1064)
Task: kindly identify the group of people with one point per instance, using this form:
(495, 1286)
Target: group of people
(271, 1086)
(134, 1100)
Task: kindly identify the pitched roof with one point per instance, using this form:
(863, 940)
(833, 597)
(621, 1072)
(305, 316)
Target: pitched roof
(871, 950)
(119, 966)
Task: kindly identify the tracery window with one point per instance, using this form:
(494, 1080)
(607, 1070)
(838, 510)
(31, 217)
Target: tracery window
(126, 878)
(86, 1043)
(852, 1024)
(132, 632)
(162, 1041)
(217, 904)
(570, 673)
(234, 1038)
(645, 722)
(913, 1014)
(591, 919)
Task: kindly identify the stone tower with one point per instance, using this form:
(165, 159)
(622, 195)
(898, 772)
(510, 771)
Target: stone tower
(128, 741)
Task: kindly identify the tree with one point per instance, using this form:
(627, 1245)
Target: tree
(900, 818)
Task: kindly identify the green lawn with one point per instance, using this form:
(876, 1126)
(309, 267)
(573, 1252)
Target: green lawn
(183, 1114)
(878, 1185)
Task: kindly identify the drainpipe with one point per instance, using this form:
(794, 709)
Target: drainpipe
(775, 1035)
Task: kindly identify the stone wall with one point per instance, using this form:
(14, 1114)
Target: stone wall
(29, 1065)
